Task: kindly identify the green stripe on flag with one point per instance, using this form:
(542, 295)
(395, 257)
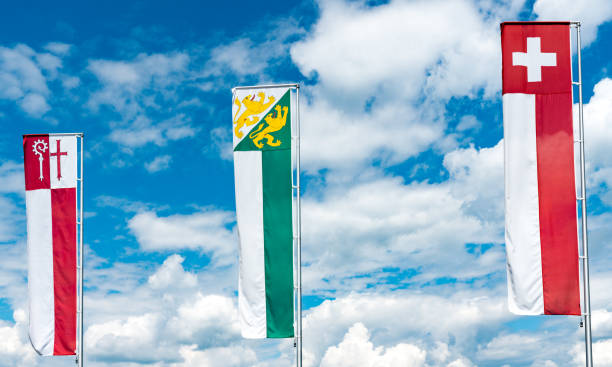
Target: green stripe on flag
(278, 242)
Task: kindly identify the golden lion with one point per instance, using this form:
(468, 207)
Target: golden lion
(273, 124)
(253, 108)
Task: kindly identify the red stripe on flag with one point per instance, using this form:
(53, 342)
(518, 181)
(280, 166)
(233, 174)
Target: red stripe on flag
(557, 200)
(63, 209)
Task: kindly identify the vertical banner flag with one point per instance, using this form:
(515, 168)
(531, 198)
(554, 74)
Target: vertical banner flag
(264, 211)
(540, 192)
(50, 164)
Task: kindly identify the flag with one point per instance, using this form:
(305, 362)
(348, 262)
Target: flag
(264, 211)
(50, 165)
(540, 193)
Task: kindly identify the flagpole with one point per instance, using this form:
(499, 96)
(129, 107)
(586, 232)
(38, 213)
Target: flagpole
(299, 237)
(80, 265)
(586, 285)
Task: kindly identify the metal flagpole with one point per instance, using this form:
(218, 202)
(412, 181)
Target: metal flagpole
(299, 237)
(586, 286)
(80, 265)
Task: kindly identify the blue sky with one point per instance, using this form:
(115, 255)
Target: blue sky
(402, 153)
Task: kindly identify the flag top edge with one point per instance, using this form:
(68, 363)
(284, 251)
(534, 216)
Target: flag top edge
(266, 86)
(28, 135)
(553, 22)
(55, 134)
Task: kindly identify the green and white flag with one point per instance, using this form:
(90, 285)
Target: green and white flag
(264, 211)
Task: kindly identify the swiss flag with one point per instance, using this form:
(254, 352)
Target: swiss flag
(536, 44)
(540, 198)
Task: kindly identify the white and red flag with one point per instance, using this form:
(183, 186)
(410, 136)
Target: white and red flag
(50, 164)
(540, 194)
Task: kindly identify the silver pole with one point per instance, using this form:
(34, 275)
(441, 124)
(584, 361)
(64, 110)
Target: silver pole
(586, 286)
(299, 237)
(80, 351)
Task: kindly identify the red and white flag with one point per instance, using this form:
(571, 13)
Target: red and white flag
(50, 163)
(540, 197)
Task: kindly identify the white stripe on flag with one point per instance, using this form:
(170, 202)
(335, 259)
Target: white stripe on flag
(249, 213)
(40, 271)
(67, 160)
(525, 293)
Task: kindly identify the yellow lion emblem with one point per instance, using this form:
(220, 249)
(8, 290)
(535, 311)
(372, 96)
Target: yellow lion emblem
(253, 108)
(273, 124)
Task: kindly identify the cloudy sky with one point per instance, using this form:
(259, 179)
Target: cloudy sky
(402, 154)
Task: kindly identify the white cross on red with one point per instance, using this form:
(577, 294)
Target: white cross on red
(534, 59)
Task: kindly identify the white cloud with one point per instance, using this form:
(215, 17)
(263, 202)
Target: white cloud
(333, 138)
(238, 58)
(356, 350)
(12, 188)
(138, 89)
(171, 274)
(207, 230)
(407, 319)
(160, 163)
(247, 57)
(384, 222)
(34, 104)
(58, 48)
(216, 357)
(142, 131)
(504, 348)
(468, 122)
(602, 353)
(591, 13)
(132, 339)
(22, 79)
(221, 138)
(381, 92)
(143, 71)
(11, 178)
(361, 52)
(477, 177)
(128, 206)
(597, 116)
(169, 318)
(13, 350)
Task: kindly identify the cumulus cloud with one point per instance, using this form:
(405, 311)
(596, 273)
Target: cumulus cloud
(343, 140)
(171, 274)
(24, 76)
(14, 351)
(246, 57)
(207, 230)
(504, 348)
(436, 48)
(590, 13)
(597, 115)
(477, 177)
(139, 89)
(402, 321)
(382, 82)
(168, 318)
(602, 353)
(356, 350)
(216, 357)
(383, 221)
